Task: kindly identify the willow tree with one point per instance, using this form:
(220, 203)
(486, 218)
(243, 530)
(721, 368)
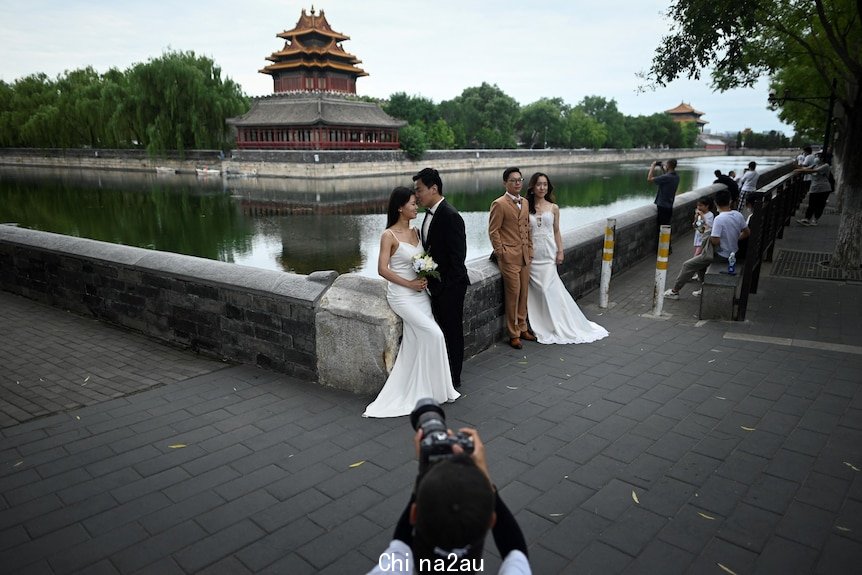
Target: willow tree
(743, 42)
(29, 113)
(179, 102)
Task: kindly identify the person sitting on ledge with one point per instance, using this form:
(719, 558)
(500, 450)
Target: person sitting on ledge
(728, 228)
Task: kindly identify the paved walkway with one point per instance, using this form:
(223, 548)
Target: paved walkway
(673, 446)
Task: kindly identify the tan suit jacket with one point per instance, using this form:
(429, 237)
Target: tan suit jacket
(509, 230)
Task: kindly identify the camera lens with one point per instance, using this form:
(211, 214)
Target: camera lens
(429, 416)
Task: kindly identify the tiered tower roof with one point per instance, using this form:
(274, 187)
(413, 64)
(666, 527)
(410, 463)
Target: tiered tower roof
(686, 113)
(313, 46)
(684, 108)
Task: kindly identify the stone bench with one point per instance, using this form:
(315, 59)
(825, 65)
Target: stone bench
(718, 298)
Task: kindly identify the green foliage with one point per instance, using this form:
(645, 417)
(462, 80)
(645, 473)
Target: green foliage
(542, 124)
(585, 131)
(413, 109)
(689, 132)
(485, 117)
(179, 102)
(771, 140)
(413, 140)
(808, 117)
(660, 130)
(801, 45)
(605, 112)
(440, 135)
(175, 102)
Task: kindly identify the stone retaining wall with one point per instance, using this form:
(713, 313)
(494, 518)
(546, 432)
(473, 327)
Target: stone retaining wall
(327, 164)
(336, 330)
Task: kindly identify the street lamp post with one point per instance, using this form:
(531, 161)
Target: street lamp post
(775, 101)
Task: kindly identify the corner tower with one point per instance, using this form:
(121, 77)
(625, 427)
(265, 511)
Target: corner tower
(314, 104)
(313, 59)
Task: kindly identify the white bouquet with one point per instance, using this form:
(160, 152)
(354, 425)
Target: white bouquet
(425, 266)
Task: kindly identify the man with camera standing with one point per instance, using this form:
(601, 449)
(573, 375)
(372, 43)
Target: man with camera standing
(667, 183)
(453, 505)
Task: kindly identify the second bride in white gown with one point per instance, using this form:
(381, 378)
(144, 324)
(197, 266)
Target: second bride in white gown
(422, 367)
(553, 315)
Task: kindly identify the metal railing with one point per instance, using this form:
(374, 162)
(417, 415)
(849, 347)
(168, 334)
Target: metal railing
(770, 214)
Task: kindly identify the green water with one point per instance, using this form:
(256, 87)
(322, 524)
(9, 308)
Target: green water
(299, 226)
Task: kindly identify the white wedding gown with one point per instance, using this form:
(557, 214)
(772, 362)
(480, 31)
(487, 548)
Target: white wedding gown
(422, 367)
(553, 315)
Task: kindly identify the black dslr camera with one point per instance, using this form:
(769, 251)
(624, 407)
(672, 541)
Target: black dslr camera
(436, 442)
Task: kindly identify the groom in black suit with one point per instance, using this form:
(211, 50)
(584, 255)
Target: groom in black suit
(445, 240)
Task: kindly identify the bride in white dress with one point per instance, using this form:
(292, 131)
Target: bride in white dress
(553, 315)
(421, 368)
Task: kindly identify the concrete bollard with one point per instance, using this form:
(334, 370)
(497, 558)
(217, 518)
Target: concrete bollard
(607, 262)
(661, 270)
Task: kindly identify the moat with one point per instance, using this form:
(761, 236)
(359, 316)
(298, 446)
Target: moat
(295, 225)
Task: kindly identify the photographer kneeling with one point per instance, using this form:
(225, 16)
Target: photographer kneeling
(453, 506)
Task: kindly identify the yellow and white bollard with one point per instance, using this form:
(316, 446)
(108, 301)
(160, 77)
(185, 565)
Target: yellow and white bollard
(661, 270)
(607, 262)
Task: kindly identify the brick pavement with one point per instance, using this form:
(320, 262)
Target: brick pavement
(55, 361)
(742, 443)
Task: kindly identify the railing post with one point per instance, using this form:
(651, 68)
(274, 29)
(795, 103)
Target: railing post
(607, 262)
(661, 270)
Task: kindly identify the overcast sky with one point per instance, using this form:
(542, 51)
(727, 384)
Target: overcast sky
(433, 48)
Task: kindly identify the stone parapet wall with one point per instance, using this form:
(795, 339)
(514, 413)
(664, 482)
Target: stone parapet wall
(223, 310)
(358, 335)
(336, 330)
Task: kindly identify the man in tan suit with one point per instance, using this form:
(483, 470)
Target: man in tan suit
(509, 228)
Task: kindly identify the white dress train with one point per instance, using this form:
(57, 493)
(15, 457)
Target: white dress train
(422, 367)
(553, 315)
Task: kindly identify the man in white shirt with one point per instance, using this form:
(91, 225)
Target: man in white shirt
(728, 228)
(747, 183)
(809, 161)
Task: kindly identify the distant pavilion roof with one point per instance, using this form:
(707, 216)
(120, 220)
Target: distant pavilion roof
(685, 113)
(683, 108)
(310, 108)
